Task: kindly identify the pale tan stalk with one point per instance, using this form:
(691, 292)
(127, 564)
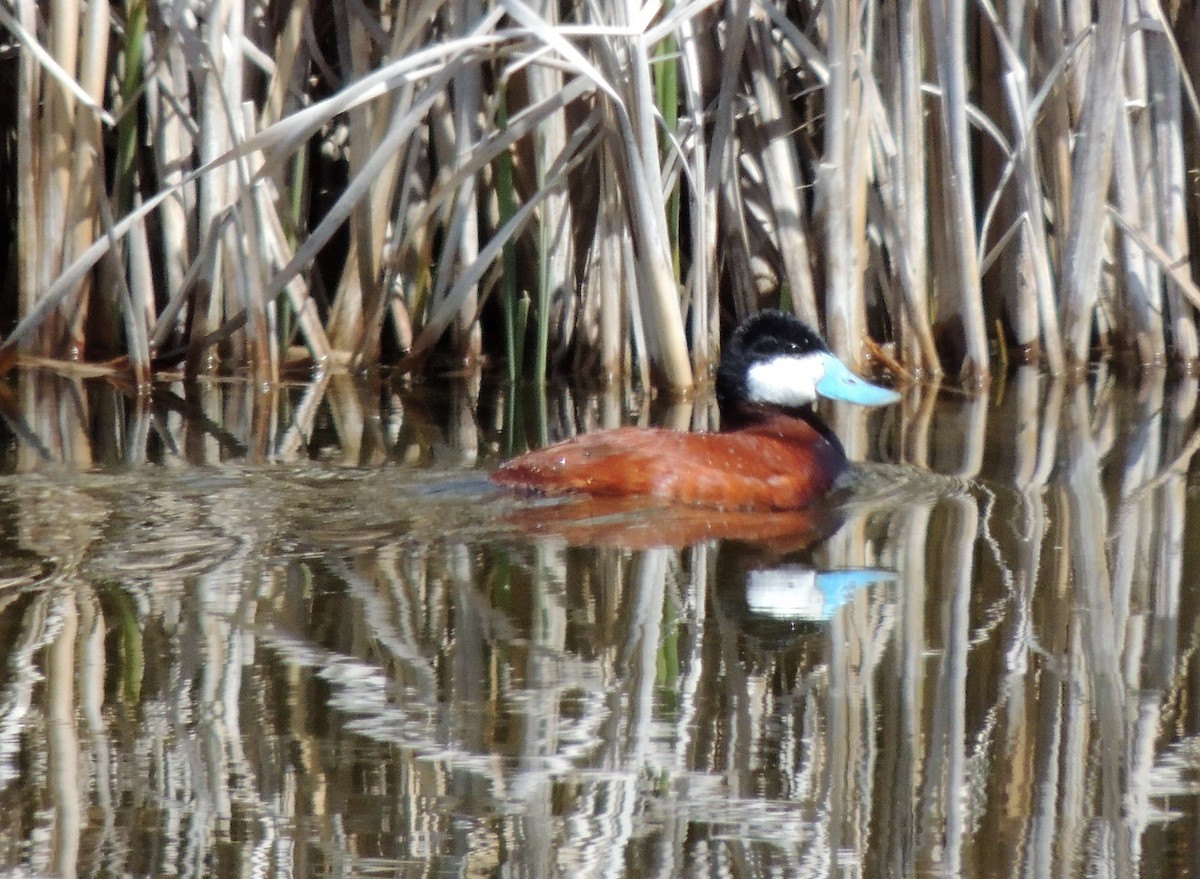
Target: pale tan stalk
(860, 158)
(1170, 178)
(260, 324)
(169, 103)
(279, 142)
(440, 199)
(909, 170)
(213, 189)
(1133, 160)
(1077, 20)
(703, 277)
(611, 280)
(660, 292)
(1140, 281)
(781, 167)
(57, 123)
(359, 282)
(29, 206)
(1093, 167)
(406, 264)
(845, 322)
(345, 314)
(556, 245)
(134, 298)
(639, 348)
(1054, 132)
(87, 170)
(72, 275)
(287, 52)
(949, 29)
(465, 234)
(236, 283)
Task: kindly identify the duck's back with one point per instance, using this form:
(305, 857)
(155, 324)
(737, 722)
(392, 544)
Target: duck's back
(781, 463)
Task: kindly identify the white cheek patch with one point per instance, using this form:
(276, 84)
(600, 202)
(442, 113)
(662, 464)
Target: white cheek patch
(785, 381)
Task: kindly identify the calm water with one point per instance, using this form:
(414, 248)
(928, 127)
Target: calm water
(297, 634)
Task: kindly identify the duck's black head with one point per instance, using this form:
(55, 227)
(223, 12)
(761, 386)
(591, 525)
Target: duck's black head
(775, 361)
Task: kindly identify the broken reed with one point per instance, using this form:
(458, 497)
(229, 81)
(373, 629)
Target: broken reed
(597, 188)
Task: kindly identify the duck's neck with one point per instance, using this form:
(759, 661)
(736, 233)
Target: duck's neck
(741, 416)
(738, 415)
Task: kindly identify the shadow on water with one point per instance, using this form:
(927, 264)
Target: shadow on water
(296, 632)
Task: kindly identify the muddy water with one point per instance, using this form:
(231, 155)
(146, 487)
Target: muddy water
(295, 633)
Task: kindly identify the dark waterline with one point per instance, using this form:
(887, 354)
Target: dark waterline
(297, 632)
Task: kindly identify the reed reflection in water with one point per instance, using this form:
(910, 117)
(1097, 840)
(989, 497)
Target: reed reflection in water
(228, 654)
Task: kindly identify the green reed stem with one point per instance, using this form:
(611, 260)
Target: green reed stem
(297, 186)
(542, 409)
(512, 426)
(543, 293)
(667, 665)
(131, 82)
(666, 94)
(132, 652)
(502, 587)
(514, 323)
(514, 440)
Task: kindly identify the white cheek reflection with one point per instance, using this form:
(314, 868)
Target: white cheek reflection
(797, 592)
(787, 593)
(786, 381)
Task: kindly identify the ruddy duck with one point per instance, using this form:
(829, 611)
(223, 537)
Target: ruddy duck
(772, 452)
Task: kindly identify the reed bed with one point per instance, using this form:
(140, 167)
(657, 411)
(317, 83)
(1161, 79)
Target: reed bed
(598, 189)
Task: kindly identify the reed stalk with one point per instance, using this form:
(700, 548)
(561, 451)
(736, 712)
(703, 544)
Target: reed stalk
(1082, 251)
(131, 84)
(949, 26)
(556, 315)
(842, 172)
(705, 312)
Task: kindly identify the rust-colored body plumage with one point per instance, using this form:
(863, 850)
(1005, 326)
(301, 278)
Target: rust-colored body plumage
(778, 463)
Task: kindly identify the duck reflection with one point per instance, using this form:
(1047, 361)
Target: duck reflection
(639, 523)
(775, 600)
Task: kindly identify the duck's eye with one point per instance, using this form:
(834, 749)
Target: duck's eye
(777, 348)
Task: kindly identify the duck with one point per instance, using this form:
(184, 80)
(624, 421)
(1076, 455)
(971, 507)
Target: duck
(772, 452)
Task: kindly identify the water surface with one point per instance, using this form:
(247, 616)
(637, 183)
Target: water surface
(296, 633)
